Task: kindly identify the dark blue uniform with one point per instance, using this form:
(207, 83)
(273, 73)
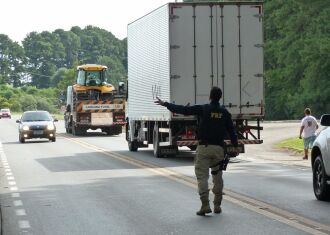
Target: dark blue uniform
(214, 125)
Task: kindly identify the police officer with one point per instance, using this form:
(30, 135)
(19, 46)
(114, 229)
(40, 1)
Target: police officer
(215, 124)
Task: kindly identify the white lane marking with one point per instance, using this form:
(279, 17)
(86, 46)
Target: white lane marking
(24, 224)
(259, 207)
(15, 195)
(20, 212)
(18, 203)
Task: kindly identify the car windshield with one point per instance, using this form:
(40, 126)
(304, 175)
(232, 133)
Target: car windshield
(36, 116)
(4, 110)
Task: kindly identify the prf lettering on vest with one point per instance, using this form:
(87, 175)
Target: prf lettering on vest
(216, 115)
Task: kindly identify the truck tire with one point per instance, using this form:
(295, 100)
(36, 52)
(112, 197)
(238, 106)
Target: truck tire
(75, 130)
(107, 131)
(114, 130)
(68, 128)
(157, 148)
(132, 146)
(192, 147)
(78, 130)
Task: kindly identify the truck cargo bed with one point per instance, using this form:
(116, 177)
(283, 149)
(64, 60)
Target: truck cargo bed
(180, 50)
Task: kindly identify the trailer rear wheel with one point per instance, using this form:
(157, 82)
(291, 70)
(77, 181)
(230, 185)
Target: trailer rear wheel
(114, 130)
(132, 146)
(157, 148)
(74, 130)
(192, 147)
(68, 130)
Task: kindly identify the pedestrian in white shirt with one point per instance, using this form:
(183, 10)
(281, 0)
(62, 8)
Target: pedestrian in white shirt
(308, 129)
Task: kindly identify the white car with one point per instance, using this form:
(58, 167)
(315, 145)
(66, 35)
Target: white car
(321, 161)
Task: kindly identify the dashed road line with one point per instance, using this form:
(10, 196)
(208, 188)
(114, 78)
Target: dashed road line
(23, 224)
(18, 203)
(20, 212)
(15, 195)
(265, 209)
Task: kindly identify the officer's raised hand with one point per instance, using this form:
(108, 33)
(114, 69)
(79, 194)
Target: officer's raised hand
(159, 102)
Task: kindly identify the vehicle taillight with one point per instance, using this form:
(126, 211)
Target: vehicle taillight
(189, 132)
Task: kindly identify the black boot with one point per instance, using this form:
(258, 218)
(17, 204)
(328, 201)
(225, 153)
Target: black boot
(205, 208)
(217, 204)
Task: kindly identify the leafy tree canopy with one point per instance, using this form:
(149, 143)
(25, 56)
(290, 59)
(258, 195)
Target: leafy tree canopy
(297, 60)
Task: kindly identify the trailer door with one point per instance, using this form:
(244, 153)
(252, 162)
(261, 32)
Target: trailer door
(251, 37)
(217, 45)
(193, 53)
(182, 84)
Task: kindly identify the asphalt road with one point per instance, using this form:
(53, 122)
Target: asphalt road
(94, 185)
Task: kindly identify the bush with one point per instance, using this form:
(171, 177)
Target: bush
(44, 104)
(28, 102)
(16, 106)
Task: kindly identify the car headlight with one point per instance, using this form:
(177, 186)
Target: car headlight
(50, 127)
(26, 128)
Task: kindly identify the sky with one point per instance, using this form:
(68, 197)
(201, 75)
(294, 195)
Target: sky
(20, 17)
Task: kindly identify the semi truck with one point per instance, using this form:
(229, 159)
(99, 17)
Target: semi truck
(178, 52)
(94, 103)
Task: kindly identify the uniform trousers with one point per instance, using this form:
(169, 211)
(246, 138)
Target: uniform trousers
(206, 157)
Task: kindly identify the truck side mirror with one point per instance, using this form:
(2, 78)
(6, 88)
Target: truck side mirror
(121, 88)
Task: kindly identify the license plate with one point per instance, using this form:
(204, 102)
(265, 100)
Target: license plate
(238, 149)
(38, 132)
(188, 137)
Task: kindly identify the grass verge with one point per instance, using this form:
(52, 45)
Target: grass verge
(293, 144)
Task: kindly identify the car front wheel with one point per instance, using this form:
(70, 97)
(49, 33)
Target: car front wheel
(321, 188)
(21, 139)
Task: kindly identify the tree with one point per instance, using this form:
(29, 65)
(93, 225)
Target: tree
(46, 53)
(71, 43)
(297, 57)
(12, 61)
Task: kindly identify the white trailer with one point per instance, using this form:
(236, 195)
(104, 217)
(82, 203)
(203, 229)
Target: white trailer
(178, 52)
